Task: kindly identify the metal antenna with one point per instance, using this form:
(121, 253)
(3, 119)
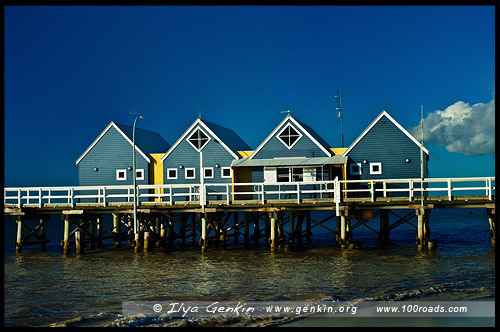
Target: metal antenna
(339, 114)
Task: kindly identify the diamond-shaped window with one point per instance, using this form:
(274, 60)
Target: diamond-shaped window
(289, 136)
(198, 139)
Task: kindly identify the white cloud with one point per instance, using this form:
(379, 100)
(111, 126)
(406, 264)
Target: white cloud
(462, 128)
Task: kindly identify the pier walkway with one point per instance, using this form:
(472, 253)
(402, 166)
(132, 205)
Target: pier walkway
(164, 211)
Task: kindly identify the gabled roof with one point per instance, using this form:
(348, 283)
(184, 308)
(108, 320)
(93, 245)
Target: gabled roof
(146, 142)
(377, 119)
(308, 131)
(226, 137)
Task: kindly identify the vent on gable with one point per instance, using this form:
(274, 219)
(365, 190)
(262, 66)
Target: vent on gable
(198, 139)
(289, 136)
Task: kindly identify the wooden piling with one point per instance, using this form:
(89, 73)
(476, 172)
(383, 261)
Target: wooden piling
(491, 219)
(256, 229)
(236, 229)
(308, 228)
(246, 230)
(78, 242)
(19, 238)
(203, 239)
(182, 230)
(163, 236)
(337, 231)
(99, 231)
(43, 233)
(146, 241)
(92, 226)
(116, 229)
(136, 242)
(343, 231)
(292, 229)
(423, 231)
(384, 226)
(273, 231)
(66, 235)
(298, 228)
(193, 229)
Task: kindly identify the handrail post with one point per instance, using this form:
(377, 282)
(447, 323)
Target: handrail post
(103, 196)
(227, 194)
(336, 196)
(71, 198)
(171, 194)
(262, 193)
(488, 189)
(19, 197)
(40, 197)
(410, 190)
(298, 192)
(449, 189)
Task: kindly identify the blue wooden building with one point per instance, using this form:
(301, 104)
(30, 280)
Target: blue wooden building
(203, 154)
(385, 150)
(293, 152)
(108, 160)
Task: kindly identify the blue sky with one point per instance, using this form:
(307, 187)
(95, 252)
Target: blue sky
(70, 70)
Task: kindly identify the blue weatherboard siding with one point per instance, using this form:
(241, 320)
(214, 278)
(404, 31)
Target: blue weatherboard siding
(214, 153)
(112, 152)
(184, 154)
(387, 144)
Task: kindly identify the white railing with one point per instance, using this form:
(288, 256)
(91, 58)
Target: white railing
(336, 190)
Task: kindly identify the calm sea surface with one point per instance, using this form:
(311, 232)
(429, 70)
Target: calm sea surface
(45, 288)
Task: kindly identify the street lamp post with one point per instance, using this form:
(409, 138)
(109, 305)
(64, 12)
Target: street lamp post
(134, 176)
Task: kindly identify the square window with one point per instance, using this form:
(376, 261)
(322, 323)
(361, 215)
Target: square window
(139, 174)
(375, 168)
(172, 173)
(121, 175)
(190, 173)
(355, 169)
(226, 172)
(208, 172)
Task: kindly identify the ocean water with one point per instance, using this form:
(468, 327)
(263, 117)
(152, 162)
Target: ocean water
(44, 288)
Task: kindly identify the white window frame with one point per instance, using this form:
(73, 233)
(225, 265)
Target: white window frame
(141, 170)
(352, 172)
(119, 178)
(186, 171)
(283, 142)
(172, 177)
(208, 169)
(379, 167)
(227, 176)
(192, 133)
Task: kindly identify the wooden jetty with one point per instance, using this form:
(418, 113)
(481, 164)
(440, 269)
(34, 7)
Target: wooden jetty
(281, 213)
